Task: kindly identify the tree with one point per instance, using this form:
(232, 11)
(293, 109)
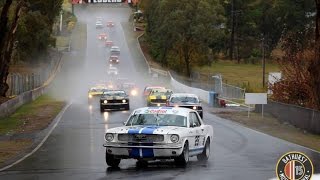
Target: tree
(29, 24)
(7, 40)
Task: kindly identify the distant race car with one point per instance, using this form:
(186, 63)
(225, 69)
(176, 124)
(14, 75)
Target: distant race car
(109, 43)
(96, 91)
(115, 50)
(148, 89)
(102, 36)
(99, 24)
(114, 100)
(152, 133)
(112, 71)
(157, 97)
(186, 100)
(114, 59)
(110, 24)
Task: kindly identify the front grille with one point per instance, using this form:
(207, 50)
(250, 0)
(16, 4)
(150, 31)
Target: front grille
(140, 137)
(114, 101)
(158, 101)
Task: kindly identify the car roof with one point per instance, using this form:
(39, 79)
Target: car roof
(155, 87)
(183, 95)
(164, 110)
(108, 91)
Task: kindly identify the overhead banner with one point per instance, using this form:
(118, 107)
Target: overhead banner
(106, 1)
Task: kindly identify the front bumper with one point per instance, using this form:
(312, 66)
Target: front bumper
(144, 152)
(114, 105)
(157, 104)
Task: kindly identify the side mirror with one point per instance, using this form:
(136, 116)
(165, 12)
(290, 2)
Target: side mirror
(124, 123)
(200, 101)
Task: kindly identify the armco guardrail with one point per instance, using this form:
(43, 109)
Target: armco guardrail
(13, 104)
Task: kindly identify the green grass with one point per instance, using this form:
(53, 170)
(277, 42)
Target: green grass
(248, 76)
(12, 123)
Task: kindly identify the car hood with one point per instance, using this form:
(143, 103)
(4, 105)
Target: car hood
(184, 104)
(113, 98)
(146, 130)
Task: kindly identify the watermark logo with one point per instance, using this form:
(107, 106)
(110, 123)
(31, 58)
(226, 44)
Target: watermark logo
(294, 166)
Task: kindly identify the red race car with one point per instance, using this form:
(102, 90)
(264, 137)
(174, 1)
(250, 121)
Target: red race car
(109, 43)
(102, 36)
(110, 24)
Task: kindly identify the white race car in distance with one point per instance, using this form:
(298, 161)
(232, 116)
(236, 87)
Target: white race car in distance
(159, 133)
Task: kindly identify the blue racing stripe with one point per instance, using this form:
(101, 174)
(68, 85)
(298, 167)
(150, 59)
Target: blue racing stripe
(134, 153)
(147, 153)
(133, 131)
(149, 129)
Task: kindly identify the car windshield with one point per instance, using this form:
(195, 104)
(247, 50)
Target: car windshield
(157, 120)
(114, 93)
(157, 93)
(184, 99)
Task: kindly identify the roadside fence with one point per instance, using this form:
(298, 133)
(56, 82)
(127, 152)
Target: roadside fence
(19, 83)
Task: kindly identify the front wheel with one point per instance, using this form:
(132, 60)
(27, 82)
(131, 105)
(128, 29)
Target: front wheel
(204, 156)
(111, 160)
(183, 159)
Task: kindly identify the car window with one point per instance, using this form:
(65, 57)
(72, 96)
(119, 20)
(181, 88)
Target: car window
(158, 120)
(194, 120)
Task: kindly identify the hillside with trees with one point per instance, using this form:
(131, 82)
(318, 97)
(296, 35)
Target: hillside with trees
(26, 28)
(184, 34)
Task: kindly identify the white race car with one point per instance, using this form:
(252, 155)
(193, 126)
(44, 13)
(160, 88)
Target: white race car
(159, 133)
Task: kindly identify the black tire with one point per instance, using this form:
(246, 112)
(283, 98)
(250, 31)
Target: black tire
(111, 161)
(183, 159)
(201, 115)
(204, 156)
(127, 107)
(101, 109)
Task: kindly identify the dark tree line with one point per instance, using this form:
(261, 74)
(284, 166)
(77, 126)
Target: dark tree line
(25, 25)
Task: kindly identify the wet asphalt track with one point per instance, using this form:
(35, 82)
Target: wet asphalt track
(74, 150)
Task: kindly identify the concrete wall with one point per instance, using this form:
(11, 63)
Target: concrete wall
(304, 118)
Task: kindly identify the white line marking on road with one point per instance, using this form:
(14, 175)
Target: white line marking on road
(58, 118)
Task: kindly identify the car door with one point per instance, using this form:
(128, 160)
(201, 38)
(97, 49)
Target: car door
(195, 133)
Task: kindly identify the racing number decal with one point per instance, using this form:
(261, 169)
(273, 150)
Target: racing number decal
(196, 142)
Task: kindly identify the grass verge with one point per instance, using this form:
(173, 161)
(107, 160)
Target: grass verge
(28, 119)
(248, 76)
(31, 117)
(270, 125)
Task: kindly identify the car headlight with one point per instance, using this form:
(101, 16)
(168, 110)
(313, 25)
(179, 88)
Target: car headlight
(134, 93)
(158, 104)
(105, 101)
(117, 60)
(90, 96)
(109, 137)
(174, 138)
(124, 101)
(176, 106)
(194, 107)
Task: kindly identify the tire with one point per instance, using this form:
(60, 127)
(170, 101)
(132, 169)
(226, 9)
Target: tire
(204, 156)
(183, 159)
(101, 109)
(111, 161)
(127, 107)
(201, 115)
